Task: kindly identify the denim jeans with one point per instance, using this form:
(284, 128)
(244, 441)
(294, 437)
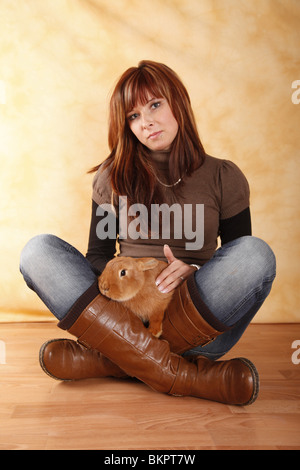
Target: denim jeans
(233, 283)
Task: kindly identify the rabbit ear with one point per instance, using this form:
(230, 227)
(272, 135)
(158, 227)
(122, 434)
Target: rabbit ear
(147, 263)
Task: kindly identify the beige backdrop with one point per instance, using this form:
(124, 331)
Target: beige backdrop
(59, 62)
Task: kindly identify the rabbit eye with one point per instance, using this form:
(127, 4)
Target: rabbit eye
(123, 273)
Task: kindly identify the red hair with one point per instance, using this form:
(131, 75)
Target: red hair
(131, 174)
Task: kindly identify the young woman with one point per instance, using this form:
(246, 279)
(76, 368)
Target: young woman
(158, 194)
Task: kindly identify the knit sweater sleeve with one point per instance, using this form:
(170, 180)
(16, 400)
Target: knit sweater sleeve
(235, 193)
(102, 190)
(101, 247)
(235, 227)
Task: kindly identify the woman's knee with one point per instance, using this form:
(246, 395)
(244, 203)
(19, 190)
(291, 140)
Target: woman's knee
(36, 250)
(259, 255)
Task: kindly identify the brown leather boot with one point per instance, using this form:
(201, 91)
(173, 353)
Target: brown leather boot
(65, 359)
(188, 322)
(108, 327)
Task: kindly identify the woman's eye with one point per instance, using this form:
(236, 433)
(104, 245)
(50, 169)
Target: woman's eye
(123, 273)
(132, 117)
(156, 104)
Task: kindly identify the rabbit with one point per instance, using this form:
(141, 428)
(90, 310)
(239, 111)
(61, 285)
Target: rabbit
(132, 282)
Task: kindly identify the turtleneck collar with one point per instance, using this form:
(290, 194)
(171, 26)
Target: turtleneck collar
(160, 158)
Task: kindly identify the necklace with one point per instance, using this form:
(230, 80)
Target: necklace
(168, 185)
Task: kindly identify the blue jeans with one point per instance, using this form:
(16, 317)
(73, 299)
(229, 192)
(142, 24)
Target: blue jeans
(233, 284)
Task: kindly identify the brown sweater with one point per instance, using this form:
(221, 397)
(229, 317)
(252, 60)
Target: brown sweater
(218, 184)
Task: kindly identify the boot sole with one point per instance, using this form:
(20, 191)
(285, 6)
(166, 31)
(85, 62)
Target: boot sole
(41, 359)
(255, 378)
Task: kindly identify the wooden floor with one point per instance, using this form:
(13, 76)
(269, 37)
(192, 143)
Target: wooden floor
(37, 412)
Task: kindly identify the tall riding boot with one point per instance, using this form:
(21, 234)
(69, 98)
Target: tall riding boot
(108, 327)
(188, 322)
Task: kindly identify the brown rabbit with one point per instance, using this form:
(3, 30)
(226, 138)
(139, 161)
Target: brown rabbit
(132, 282)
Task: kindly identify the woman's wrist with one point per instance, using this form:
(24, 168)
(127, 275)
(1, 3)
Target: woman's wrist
(196, 266)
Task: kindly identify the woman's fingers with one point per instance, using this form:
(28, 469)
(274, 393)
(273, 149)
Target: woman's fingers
(174, 274)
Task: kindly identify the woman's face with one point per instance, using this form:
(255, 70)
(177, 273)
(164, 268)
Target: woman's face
(153, 124)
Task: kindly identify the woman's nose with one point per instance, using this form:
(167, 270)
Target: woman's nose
(146, 121)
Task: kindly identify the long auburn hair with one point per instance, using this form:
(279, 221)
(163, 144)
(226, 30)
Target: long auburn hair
(130, 171)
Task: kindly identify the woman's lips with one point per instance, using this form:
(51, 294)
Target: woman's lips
(154, 135)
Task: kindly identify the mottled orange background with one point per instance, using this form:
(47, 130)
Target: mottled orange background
(59, 62)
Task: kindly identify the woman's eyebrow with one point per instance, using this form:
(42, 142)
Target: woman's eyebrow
(137, 105)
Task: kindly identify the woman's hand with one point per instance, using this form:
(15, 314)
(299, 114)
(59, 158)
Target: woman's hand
(174, 275)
